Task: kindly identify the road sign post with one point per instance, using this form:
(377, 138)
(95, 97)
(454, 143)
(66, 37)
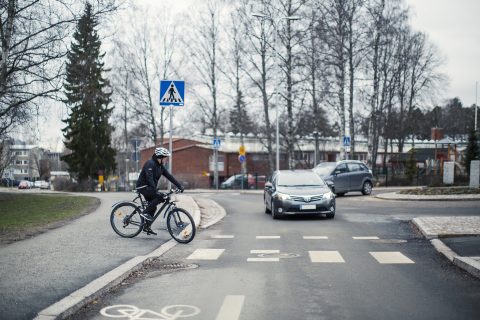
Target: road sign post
(172, 94)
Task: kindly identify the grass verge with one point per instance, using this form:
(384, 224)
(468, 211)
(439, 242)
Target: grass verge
(25, 215)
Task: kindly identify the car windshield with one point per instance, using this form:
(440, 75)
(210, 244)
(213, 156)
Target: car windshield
(325, 169)
(300, 179)
(230, 180)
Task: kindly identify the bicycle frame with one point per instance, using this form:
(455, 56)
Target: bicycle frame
(166, 206)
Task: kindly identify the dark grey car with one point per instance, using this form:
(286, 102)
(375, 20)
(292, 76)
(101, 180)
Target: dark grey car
(347, 176)
(291, 192)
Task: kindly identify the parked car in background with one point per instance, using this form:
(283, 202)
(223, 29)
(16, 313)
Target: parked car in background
(244, 181)
(347, 176)
(24, 184)
(42, 184)
(291, 192)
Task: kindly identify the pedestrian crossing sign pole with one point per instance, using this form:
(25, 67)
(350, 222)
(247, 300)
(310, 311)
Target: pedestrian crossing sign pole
(172, 94)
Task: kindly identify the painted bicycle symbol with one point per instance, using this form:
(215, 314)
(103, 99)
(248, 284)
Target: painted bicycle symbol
(126, 311)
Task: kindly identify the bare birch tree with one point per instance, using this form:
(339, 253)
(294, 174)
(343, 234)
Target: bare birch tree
(260, 64)
(144, 57)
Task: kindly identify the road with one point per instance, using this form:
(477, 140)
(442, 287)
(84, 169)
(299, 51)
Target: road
(367, 263)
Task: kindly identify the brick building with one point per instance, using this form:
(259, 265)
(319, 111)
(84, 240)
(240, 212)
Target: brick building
(193, 164)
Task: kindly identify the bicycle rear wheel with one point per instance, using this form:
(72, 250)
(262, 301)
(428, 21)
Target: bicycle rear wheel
(126, 220)
(181, 226)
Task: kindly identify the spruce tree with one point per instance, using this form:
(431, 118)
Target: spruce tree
(87, 133)
(472, 152)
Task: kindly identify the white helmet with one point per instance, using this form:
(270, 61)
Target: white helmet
(161, 153)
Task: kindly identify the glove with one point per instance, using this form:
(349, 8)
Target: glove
(161, 195)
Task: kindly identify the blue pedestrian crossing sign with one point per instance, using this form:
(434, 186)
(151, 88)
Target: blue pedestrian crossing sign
(346, 141)
(172, 93)
(216, 143)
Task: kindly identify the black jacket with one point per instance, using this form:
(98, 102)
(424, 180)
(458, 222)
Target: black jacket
(151, 173)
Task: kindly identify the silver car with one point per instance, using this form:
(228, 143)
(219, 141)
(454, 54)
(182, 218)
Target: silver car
(347, 176)
(292, 192)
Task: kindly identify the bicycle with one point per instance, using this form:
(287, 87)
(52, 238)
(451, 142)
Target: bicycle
(127, 222)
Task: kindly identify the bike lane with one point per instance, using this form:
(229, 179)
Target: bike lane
(40, 271)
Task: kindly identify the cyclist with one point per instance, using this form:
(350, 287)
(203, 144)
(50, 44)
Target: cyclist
(147, 182)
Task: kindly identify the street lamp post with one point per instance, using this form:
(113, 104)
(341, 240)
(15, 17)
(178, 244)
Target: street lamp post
(476, 103)
(275, 30)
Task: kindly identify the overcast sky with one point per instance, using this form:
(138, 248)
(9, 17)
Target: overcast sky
(452, 25)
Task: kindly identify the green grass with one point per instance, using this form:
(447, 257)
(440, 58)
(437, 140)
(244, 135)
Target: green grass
(24, 212)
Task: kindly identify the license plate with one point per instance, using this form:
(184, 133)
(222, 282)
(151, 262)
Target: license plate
(308, 207)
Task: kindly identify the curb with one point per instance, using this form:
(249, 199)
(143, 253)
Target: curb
(401, 197)
(221, 213)
(83, 296)
(466, 263)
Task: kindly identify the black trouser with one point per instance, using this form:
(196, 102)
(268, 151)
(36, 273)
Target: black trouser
(153, 199)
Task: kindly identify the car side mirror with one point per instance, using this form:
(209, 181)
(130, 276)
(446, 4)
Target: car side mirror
(330, 184)
(268, 185)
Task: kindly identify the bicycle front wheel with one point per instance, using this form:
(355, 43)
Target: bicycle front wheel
(181, 226)
(126, 220)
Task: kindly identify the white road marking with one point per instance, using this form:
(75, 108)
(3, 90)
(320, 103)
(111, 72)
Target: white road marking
(206, 254)
(268, 237)
(263, 259)
(326, 257)
(391, 257)
(264, 251)
(315, 237)
(231, 308)
(365, 238)
(223, 236)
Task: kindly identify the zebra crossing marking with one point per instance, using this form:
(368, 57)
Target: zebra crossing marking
(223, 236)
(206, 254)
(264, 251)
(263, 259)
(365, 238)
(268, 237)
(315, 237)
(326, 257)
(231, 308)
(391, 257)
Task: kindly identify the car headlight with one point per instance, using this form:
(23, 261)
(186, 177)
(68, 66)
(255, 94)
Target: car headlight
(282, 196)
(327, 196)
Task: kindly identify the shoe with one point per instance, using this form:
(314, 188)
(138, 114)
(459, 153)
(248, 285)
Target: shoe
(147, 216)
(149, 231)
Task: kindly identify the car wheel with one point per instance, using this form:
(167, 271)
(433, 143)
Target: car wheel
(274, 215)
(340, 194)
(367, 188)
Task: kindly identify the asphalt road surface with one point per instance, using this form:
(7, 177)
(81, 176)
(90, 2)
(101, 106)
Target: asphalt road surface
(367, 263)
